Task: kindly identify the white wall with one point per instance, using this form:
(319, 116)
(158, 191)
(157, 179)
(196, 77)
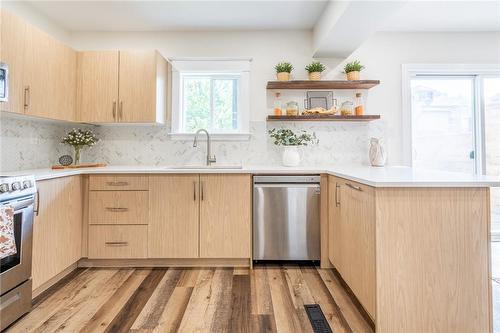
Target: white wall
(24, 10)
(384, 53)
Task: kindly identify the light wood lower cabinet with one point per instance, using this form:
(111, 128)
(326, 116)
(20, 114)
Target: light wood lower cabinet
(193, 216)
(416, 258)
(174, 216)
(118, 207)
(225, 215)
(118, 241)
(57, 229)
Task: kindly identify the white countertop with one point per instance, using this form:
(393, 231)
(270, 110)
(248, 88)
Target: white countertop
(389, 176)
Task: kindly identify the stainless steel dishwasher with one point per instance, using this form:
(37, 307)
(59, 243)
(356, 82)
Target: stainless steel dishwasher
(286, 216)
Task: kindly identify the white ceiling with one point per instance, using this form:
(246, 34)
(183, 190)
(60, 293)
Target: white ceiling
(447, 16)
(182, 15)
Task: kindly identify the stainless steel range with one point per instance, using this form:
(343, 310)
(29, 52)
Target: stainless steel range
(17, 193)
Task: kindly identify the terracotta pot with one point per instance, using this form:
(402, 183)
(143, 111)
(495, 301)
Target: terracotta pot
(315, 76)
(283, 76)
(352, 76)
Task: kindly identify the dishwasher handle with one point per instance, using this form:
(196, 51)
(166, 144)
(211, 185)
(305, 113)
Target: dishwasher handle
(290, 185)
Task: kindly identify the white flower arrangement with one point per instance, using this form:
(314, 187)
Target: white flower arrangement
(80, 138)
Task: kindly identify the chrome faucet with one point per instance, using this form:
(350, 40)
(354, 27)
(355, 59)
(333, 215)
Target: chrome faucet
(210, 159)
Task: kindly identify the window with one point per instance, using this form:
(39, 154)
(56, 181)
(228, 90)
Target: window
(211, 94)
(451, 121)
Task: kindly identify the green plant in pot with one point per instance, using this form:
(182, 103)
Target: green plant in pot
(315, 69)
(283, 70)
(352, 69)
(79, 139)
(290, 141)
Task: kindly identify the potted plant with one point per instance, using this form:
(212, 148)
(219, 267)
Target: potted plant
(79, 139)
(352, 69)
(315, 68)
(283, 70)
(290, 142)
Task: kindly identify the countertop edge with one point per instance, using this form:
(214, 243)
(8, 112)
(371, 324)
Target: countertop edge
(389, 175)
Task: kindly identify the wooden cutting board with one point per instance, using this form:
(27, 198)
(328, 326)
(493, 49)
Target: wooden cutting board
(89, 165)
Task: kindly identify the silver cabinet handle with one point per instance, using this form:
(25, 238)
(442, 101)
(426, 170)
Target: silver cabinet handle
(194, 191)
(202, 194)
(337, 197)
(37, 210)
(114, 110)
(117, 183)
(27, 97)
(117, 243)
(357, 188)
(117, 209)
(120, 111)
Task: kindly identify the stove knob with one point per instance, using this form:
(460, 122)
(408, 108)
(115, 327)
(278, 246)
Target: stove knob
(27, 184)
(16, 186)
(4, 188)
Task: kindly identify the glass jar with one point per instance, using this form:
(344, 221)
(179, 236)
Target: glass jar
(292, 108)
(277, 105)
(358, 105)
(347, 108)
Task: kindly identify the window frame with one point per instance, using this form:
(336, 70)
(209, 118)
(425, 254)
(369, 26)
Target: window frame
(230, 68)
(478, 71)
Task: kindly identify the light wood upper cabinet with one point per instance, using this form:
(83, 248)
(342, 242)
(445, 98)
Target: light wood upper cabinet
(42, 71)
(135, 86)
(13, 38)
(174, 216)
(225, 216)
(57, 230)
(97, 86)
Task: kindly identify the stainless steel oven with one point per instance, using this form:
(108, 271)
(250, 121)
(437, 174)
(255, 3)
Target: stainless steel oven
(4, 82)
(17, 193)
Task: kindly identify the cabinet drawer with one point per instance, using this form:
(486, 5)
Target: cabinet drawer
(118, 183)
(118, 207)
(118, 241)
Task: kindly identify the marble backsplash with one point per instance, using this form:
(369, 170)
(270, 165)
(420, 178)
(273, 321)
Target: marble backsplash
(31, 144)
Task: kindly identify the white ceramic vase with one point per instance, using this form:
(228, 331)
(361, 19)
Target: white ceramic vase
(291, 156)
(378, 154)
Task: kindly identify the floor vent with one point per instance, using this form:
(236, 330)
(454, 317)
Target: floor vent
(317, 319)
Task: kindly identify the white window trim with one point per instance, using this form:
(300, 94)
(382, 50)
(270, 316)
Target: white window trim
(409, 71)
(241, 66)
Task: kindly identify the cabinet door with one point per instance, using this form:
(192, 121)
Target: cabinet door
(334, 225)
(97, 93)
(12, 37)
(174, 211)
(225, 216)
(137, 86)
(358, 241)
(50, 75)
(57, 230)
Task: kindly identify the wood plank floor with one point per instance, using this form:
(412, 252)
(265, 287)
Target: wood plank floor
(265, 299)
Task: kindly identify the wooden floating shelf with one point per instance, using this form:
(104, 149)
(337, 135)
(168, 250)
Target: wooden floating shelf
(320, 117)
(339, 84)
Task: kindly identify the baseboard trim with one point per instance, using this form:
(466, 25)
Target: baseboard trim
(354, 299)
(57, 279)
(192, 262)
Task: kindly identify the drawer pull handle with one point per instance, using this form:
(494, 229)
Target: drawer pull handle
(117, 183)
(117, 243)
(117, 209)
(337, 196)
(357, 188)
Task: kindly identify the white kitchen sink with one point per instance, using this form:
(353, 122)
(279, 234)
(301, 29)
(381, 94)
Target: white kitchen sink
(214, 166)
